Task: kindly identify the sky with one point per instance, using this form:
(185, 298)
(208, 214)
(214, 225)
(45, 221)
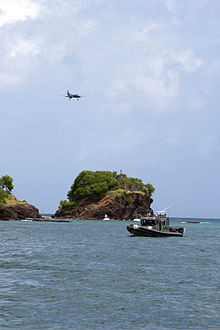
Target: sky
(150, 72)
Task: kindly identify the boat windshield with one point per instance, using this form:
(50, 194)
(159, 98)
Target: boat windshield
(147, 222)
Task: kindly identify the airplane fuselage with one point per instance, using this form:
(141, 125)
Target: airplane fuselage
(72, 96)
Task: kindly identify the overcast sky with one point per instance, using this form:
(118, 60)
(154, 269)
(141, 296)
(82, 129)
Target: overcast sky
(150, 72)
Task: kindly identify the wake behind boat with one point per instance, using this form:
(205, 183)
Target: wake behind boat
(157, 226)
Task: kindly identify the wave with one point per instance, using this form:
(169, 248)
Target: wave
(197, 222)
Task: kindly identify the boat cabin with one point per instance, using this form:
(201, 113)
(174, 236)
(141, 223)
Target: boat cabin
(148, 222)
(160, 222)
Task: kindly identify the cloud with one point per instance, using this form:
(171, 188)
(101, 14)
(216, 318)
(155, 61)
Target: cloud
(45, 35)
(136, 60)
(189, 61)
(12, 11)
(171, 5)
(155, 76)
(17, 50)
(19, 57)
(188, 9)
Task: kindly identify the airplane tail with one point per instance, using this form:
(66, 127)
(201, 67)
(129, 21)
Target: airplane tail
(67, 92)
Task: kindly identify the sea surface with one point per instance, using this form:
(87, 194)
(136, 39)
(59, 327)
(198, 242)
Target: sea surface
(94, 275)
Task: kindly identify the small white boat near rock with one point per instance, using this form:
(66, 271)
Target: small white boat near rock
(106, 217)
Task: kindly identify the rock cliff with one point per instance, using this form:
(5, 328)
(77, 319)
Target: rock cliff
(119, 205)
(17, 210)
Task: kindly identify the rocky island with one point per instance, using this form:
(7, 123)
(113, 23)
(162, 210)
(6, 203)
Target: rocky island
(10, 207)
(94, 194)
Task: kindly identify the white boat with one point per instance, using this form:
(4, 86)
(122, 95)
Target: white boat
(106, 217)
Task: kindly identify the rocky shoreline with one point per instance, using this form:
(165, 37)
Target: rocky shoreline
(18, 211)
(117, 206)
(124, 206)
(93, 196)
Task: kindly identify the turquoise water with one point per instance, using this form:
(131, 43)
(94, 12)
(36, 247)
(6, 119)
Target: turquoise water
(94, 275)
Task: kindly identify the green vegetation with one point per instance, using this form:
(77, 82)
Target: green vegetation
(3, 196)
(6, 186)
(90, 187)
(12, 200)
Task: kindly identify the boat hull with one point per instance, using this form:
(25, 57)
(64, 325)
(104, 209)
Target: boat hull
(144, 231)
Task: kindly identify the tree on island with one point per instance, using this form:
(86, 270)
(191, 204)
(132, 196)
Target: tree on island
(6, 186)
(92, 186)
(149, 189)
(6, 183)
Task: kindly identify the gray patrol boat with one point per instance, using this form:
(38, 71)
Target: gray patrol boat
(156, 226)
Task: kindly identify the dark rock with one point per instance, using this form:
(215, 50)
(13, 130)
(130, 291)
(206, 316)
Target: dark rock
(18, 211)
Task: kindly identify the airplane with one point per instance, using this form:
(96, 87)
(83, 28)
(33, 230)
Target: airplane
(72, 96)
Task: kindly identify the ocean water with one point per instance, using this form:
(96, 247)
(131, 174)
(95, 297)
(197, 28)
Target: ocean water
(95, 275)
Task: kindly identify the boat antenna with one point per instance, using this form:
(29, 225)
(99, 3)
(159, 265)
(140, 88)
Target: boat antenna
(163, 211)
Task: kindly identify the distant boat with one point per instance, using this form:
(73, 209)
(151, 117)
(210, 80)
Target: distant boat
(106, 217)
(136, 219)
